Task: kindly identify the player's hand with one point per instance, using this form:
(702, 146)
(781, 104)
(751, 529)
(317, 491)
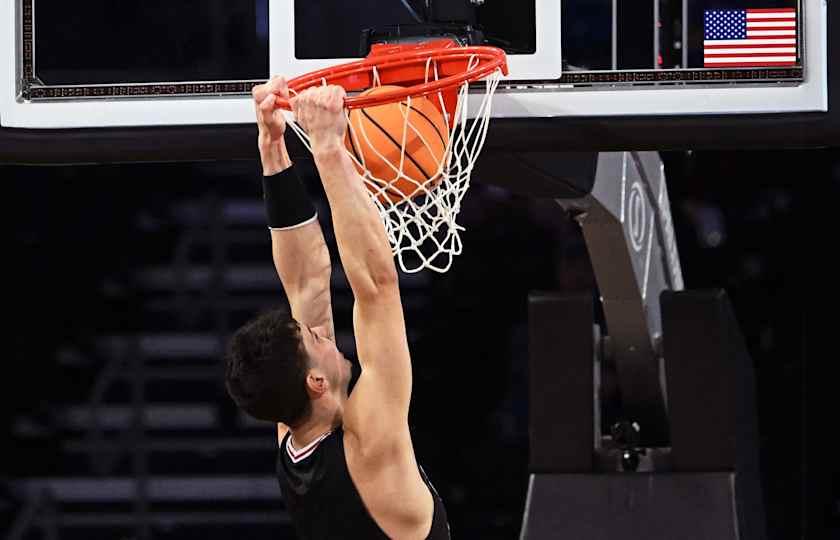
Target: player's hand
(271, 124)
(320, 111)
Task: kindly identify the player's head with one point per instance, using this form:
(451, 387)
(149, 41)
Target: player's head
(277, 369)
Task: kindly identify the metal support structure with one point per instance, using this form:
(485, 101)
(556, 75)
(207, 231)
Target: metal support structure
(620, 199)
(679, 466)
(626, 221)
(709, 487)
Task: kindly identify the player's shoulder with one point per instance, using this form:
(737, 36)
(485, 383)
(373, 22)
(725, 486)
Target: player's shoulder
(282, 431)
(375, 441)
(384, 463)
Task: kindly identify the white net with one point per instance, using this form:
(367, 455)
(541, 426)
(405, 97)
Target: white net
(416, 159)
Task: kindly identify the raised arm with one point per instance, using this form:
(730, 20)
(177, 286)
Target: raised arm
(300, 253)
(380, 400)
(298, 249)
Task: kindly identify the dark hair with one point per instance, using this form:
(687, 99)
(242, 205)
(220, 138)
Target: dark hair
(266, 367)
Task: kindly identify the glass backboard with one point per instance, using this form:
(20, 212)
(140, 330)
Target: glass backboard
(187, 62)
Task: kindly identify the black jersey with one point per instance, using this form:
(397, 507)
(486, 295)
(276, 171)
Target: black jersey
(322, 499)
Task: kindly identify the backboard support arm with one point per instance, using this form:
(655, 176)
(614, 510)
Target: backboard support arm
(626, 222)
(681, 459)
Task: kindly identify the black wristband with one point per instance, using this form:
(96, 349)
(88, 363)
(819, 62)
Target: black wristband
(287, 204)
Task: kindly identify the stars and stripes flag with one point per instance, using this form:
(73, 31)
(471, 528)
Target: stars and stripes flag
(749, 37)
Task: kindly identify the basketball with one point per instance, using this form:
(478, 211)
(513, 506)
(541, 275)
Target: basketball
(376, 138)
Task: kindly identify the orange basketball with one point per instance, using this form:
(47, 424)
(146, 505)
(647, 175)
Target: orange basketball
(375, 137)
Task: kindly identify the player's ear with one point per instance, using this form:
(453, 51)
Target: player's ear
(316, 383)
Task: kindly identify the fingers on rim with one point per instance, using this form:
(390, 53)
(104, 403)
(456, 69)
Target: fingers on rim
(276, 85)
(265, 109)
(282, 87)
(338, 97)
(297, 101)
(327, 97)
(268, 101)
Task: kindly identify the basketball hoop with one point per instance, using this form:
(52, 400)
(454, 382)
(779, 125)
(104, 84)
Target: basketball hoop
(419, 210)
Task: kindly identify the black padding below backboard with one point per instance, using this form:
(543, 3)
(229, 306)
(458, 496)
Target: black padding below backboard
(710, 381)
(633, 506)
(712, 396)
(561, 407)
(554, 175)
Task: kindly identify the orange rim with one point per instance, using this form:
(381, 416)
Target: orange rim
(407, 66)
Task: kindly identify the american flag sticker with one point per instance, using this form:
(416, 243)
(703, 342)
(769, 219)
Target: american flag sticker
(749, 37)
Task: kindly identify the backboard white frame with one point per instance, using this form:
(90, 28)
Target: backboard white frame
(548, 101)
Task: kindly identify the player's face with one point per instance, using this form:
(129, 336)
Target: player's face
(326, 356)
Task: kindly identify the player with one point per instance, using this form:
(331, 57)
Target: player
(346, 464)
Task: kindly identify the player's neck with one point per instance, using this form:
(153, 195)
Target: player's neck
(317, 425)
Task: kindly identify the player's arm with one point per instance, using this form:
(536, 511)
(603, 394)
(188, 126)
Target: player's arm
(299, 251)
(380, 400)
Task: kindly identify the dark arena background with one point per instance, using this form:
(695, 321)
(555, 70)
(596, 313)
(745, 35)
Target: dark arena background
(135, 251)
(115, 268)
